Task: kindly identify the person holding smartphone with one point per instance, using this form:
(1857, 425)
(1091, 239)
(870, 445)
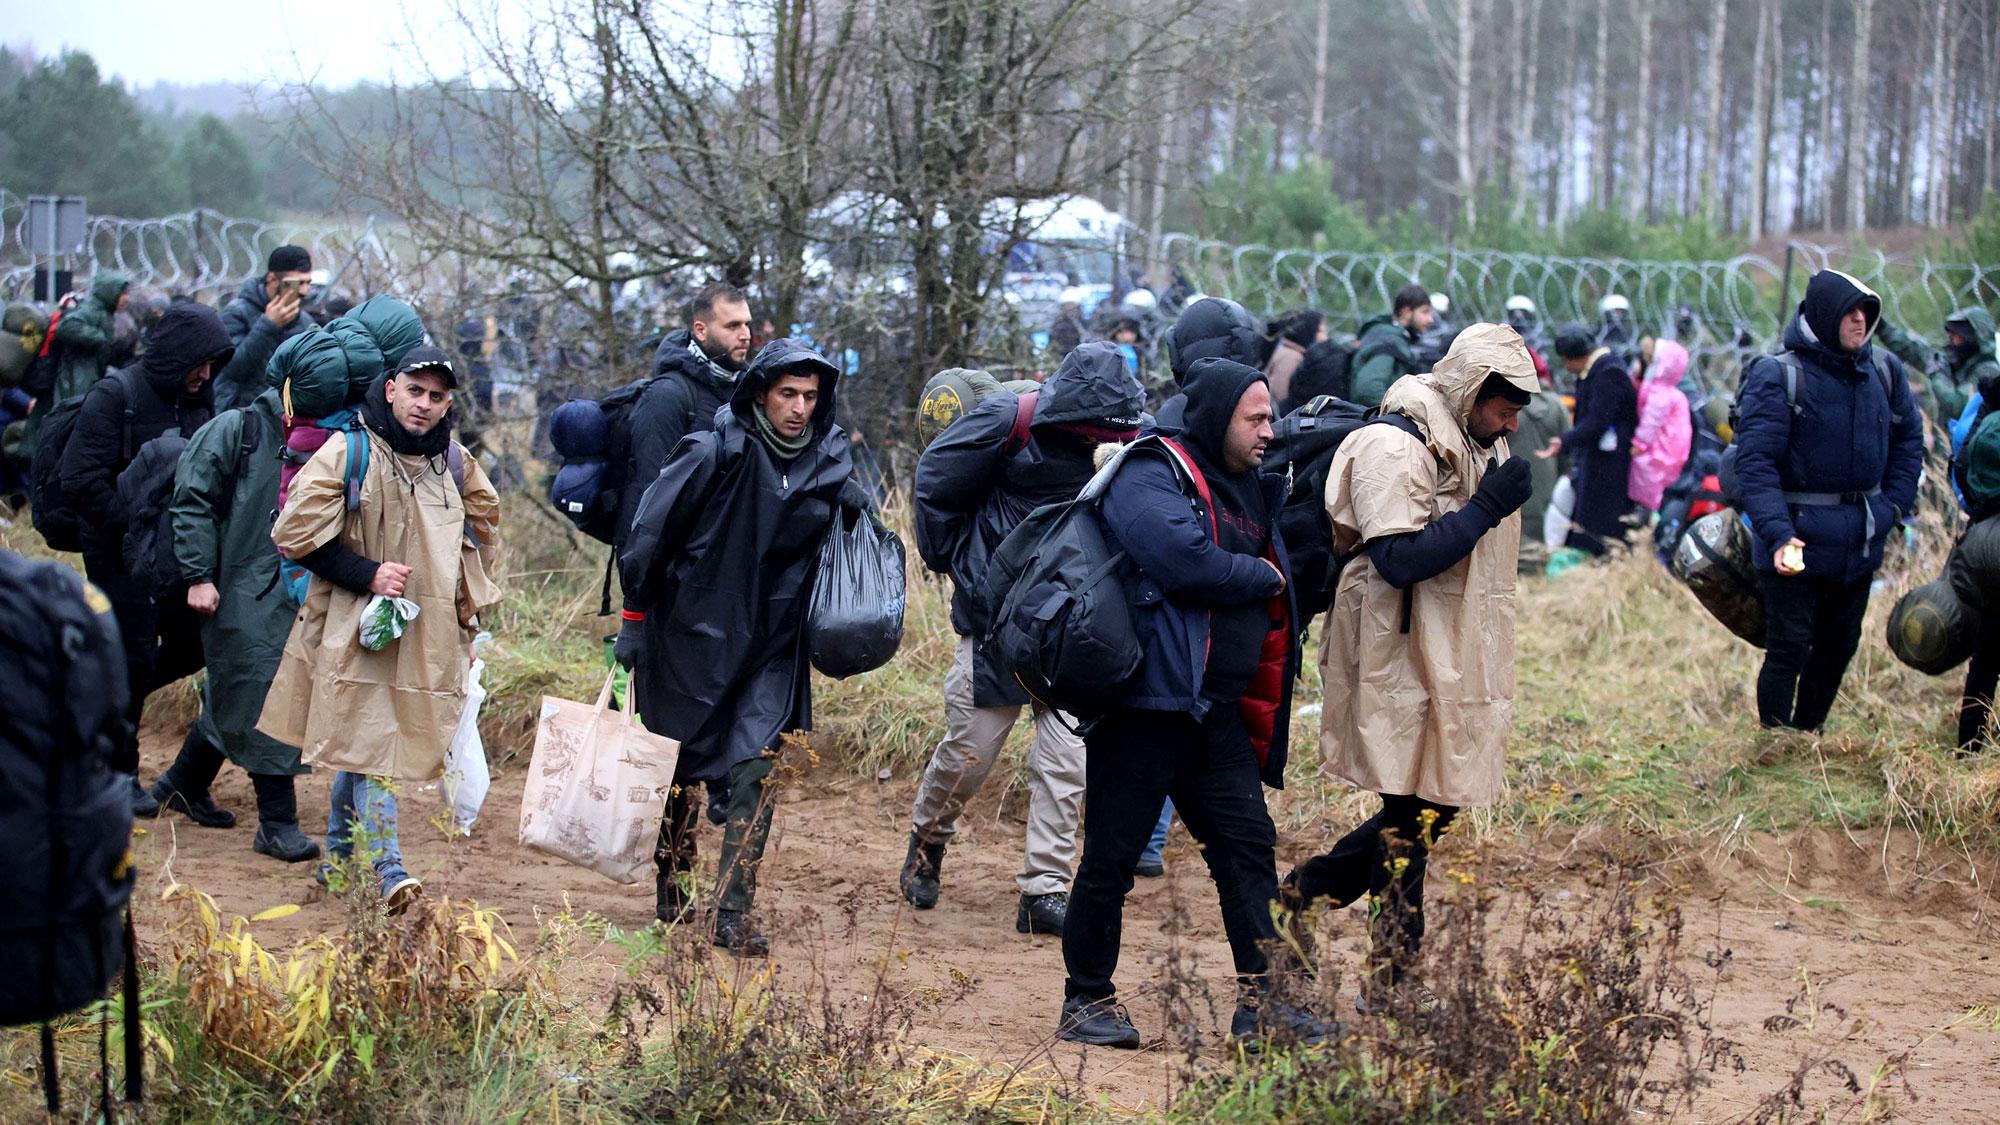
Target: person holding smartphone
(266, 312)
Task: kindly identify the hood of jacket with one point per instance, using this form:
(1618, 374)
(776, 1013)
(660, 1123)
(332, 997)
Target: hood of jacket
(187, 336)
(1092, 385)
(1670, 364)
(679, 352)
(1815, 328)
(252, 293)
(392, 324)
(1383, 326)
(1214, 328)
(106, 288)
(784, 356)
(1214, 388)
(1440, 400)
(1977, 324)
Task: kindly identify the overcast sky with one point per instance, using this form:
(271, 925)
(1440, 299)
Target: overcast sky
(337, 42)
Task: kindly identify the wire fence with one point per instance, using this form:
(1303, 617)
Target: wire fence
(1722, 309)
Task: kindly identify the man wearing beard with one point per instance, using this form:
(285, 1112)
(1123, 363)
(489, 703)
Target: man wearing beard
(424, 531)
(694, 374)
(1206, 717)
(1417, 655)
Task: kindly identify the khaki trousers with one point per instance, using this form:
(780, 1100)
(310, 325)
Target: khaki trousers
(972, 740)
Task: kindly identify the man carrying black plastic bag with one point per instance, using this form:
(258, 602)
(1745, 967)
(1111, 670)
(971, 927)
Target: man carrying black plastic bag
(718, 569)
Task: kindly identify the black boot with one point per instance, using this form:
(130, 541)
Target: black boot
(184, 787)
(1042, 914)
(734, 932)
(671, 902)
(278, 834)
(919, 880)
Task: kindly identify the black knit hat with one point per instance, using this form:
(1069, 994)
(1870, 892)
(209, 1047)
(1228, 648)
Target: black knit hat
(1574, 341)
(289, 259)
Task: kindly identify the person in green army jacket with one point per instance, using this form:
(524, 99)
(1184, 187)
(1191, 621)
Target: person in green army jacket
(84, 336)
(1967, 359)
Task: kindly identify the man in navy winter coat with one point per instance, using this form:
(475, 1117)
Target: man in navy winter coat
(1825, 475)
(1205, 719)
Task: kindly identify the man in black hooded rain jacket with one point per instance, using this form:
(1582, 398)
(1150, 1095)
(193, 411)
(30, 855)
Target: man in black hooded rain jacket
(973, 487)
(165, 391)
(1825, 479)
(718, 567)
(1206, 718)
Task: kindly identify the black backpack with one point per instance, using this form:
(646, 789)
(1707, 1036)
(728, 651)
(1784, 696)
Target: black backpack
(65, 814)
(589, 489)
(1061, 623)
(1326, 371)
(54, 517)
(1302, 446)
(146, 488)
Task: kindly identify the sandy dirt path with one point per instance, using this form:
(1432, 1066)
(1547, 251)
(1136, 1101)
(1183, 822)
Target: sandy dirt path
(1903, 954)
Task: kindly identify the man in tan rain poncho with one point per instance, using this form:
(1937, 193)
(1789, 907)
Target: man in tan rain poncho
(1418, 651)
(424, 530)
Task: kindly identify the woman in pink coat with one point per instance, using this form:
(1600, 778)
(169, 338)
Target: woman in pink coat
(1666, 427)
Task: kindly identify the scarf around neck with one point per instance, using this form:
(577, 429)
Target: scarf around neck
(786, 448)
(376, 413)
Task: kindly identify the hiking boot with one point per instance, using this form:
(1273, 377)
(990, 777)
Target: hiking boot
(1099, 1023)
(284, 841)
(400, 889)
(919, 880)
(1042, 914)
(671, 902)
(1150, 869)
(143, 804)
(198, 807)
(278, 834)
(734, 932)
(1276, 1023)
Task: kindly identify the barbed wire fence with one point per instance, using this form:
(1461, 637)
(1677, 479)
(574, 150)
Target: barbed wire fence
(1734, 305)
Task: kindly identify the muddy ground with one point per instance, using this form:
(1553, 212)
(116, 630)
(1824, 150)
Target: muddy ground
(1900, 939)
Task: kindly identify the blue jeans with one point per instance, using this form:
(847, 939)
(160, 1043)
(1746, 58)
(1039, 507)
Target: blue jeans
(366, 802)
(1159, 841)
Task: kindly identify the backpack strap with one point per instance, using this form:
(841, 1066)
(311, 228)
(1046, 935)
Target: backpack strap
(127, 377)
(1192, 474)
(357, 465)
(1019, 434)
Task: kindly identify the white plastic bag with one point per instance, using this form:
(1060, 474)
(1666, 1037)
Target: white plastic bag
(1556, 522)
(383, 620)
(466, 776)
(597, 787)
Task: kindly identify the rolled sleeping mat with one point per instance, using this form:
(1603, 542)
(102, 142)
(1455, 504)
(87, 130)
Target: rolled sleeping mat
(1931, 630)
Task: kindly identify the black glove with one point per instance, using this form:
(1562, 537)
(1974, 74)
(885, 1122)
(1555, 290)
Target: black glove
(631, 645)
(1504, 488)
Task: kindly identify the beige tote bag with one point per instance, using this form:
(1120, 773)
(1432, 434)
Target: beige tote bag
(597, 786)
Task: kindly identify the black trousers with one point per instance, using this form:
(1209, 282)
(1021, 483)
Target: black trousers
(1134, 760)
(1811, 628)
(1385, 858)
(162, 643)
(745, 829)
(1982, 676)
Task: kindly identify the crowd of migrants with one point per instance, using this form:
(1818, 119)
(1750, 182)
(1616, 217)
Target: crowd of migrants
(282, 502)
